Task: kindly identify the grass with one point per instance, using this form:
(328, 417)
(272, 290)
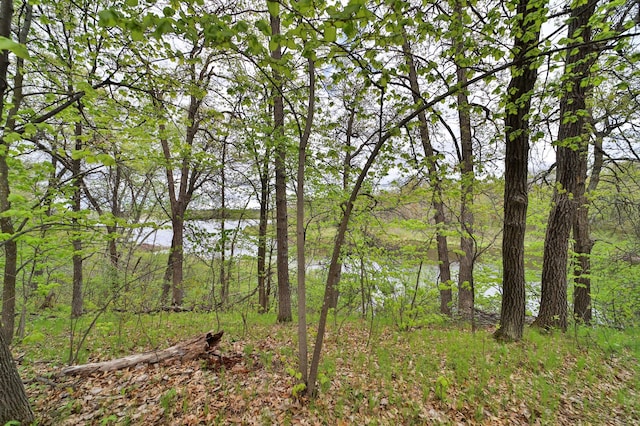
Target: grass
(440, 374)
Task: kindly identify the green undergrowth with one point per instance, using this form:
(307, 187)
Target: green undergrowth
(370, 370)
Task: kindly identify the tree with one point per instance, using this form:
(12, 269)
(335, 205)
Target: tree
(8, 128)
(609, 104)
(300, 228)
(185, 170)
(527, 22)
(569, 210)
(282, 223)
(76, 301)
(570, 185)
(466, 289)
(583, 245)
(444, 264)
(13, 399)
(14, 404)
(263, 269)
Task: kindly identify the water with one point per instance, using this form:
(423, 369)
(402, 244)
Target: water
(202, 237)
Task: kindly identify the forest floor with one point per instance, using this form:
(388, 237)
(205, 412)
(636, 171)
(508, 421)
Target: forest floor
(369, 374)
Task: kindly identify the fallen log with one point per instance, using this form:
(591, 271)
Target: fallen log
(198, 347)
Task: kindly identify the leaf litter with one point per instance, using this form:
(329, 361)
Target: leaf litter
(386, 381)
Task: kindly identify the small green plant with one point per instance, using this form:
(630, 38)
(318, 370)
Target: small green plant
(109, 420)
(442, 388)
(298, 390)
(325, 382)
(248, 350)
(294, 373)
(33, 338)
(168, 399)
(267, 359)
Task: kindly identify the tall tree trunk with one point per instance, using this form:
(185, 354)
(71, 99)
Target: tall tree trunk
(181, 192)
(582, 310)
(300, 230)
(263, 295)
(10, 266)
(76, 297)
(333, 275)
(10, 252)
(6, 223)
(13, 399)
(466, 293)
(177, 223)
(14, 404)
(570, 182)
(114, 256)
(516, 197)
(168, 275)
(444, 264)
(582, 264)
(224, 277)
(346, 177)
(178, 200)
(112, 229)
(282, 232)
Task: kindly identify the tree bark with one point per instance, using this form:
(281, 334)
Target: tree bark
(466, 293)
(303, 356)
(168, 274)
(14, 404)
(114, 255)
(516, 198)
(570, 183)
(224, 276)
(582, 310)
(190, 177)
(263, 295)
(10, 255)
(76, 239)
(282, 232)
(6, 223)
(582, 264)
(177, 293)
(444, 264)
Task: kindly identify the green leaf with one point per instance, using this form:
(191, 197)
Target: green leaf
(165, 26)
(106, 159)
(108, 18)
(79, 154)
(137, 35)
(274, 8)
(254, 45)
(264, 27)
(12, 137)
(35, 337)
(20, 50)
(16, 198)
(168, 12)
(291, 44)
(273, 45)
(241, 27)
(330, 33)
(304, 6)
(30, 129)
(350, 29)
